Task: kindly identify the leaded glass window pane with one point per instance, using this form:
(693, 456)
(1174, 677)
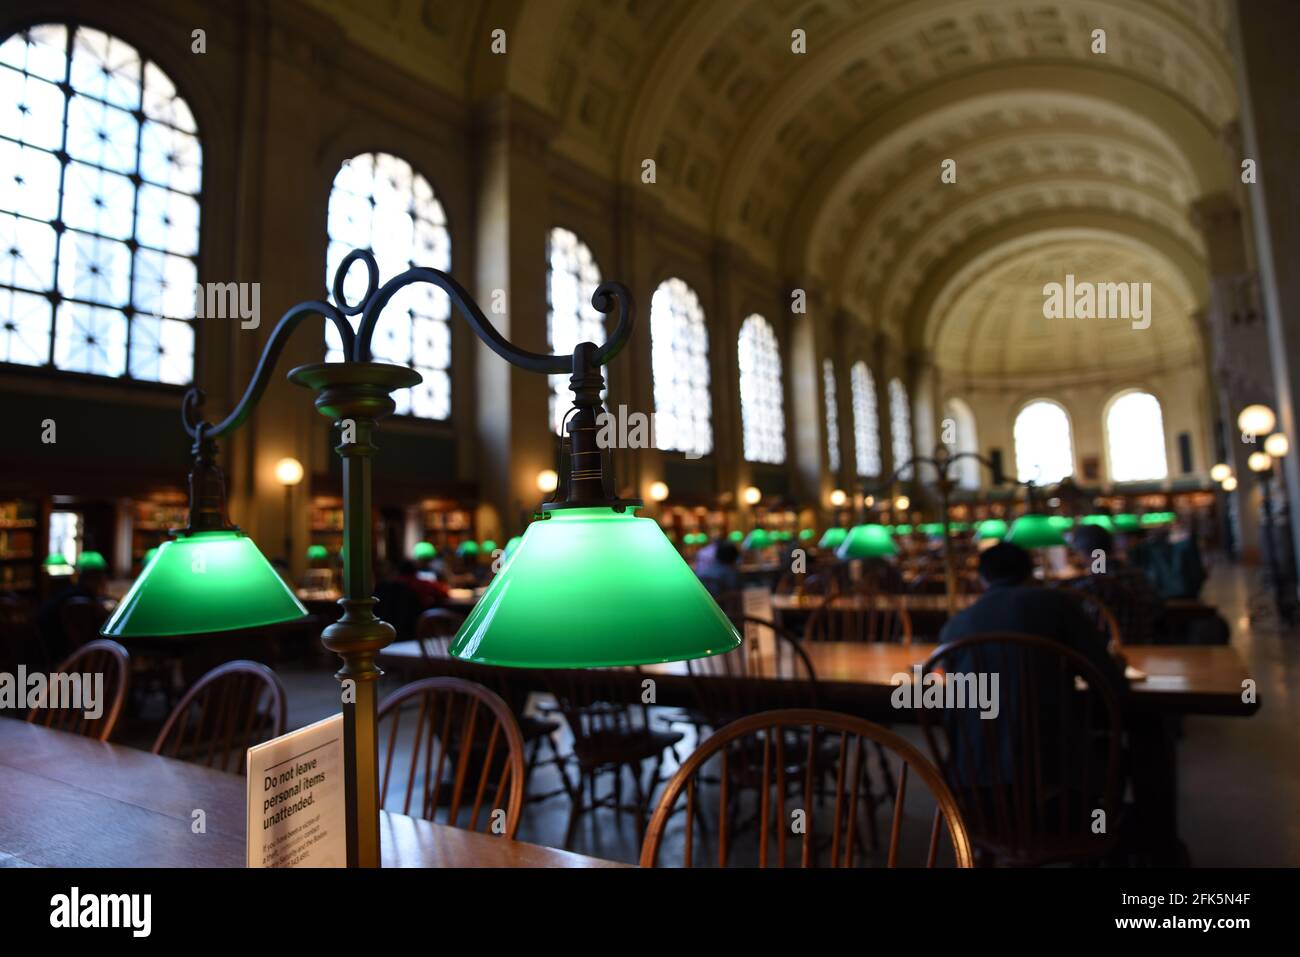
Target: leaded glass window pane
(571, 278)
(379, 202)
(762, 401)
(866, 420)
(832, 415)
(1044, 447)
(679, 349)
(99, 210)
(1135, 438)
(900, 427)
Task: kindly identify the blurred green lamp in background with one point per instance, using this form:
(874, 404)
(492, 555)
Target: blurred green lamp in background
(756, 540)
(991, 528)
(867, 541)
(833, 537)
(317, 553)
(1034, 531)
(423, 551)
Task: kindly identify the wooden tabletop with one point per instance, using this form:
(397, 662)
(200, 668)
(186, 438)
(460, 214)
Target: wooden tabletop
(1180, 679)
(68, 801)
(920, 602)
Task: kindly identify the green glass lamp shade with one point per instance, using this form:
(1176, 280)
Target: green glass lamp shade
(467, 548)
(992, 528)
(833, 537)
(91, 561)
(148, 556)
(1126, 522)
(208, 581)
(54, 559)
(488, 545)
(1061, 522)
(903, 529)
(735, 536)
(932, 528)
(1103, 521)
(512, 544)
(806, 534)
(758, 538)
(1157, 518)
(592, 587)
(317, 553)
(959, 526)
(867, 541)
(1034, 531)
(423, 551)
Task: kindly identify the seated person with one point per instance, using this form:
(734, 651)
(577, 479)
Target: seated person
(1121, 587)
(90, 583)
(718, 571)
(1014, 602)
(430, 593)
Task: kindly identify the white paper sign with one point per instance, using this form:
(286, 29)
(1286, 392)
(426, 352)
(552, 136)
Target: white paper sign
(296, 815)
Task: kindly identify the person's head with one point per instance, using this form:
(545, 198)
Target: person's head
(726, 553)
(1006, 564)
(406, 568)
(93, 580)
(1087, 540)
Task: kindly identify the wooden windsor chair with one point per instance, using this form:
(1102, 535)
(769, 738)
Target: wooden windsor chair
(228, 710)
(100, 657)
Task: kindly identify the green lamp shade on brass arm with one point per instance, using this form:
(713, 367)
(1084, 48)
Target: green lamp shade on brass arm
(512, 544)
(867, 541)
(991, 528)
(204, 582)
(833, 538)
(1034, 531)
(757, 539)
(468, 547)
(55, 559)
(594, 587)
(317, 553)
(423, 551)
(806, 534)
(1127, 523)
(1060, 522)
(736, 536)
(488, 545)
(1104, 521)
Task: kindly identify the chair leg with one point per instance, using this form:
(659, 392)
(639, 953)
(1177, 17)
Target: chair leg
(575, 811)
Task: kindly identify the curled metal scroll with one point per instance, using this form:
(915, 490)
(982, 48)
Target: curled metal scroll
(356, 345)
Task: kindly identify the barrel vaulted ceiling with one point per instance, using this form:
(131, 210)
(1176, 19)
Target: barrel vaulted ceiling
(825, 165)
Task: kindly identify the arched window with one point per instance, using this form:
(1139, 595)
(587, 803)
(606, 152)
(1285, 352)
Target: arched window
(1135, 438)
(380, 203)
(866, 420)
(832, 415)
(900, 426)
(100, 171)
(762, 405)
(958, 433)
(1044, 447)
(679, 350)
(571, 278)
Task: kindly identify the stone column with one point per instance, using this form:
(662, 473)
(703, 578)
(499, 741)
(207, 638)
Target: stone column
(1238, 340)
(513, 217)
(1268, 76)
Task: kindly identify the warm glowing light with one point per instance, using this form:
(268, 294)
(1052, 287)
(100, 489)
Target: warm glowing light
(547, 480)
(752, 495)
(868, 501)
(1256, 420)
(1220, 472)
(658, 491)
(288, 471)
(1229, 484)
(838, 498)
(1260, 461)
(902, 503)
(1277, 445)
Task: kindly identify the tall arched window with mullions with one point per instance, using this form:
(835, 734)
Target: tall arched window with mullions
(379, 202)
(571, 279)
(832, 416)
(900, 427)
(866, 420)
(762, 401)
(679, 357)
(100, 173)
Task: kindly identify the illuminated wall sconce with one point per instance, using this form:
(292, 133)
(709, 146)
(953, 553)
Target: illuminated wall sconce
(868, 501)
(1277, 445)
(288, 471)
(838, 498)
(1220, 471)
(658, 491)
(752, 495)
(1229, 484)
(547, 480)
(902, 503)
(1256, 420)
(1259, 461)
